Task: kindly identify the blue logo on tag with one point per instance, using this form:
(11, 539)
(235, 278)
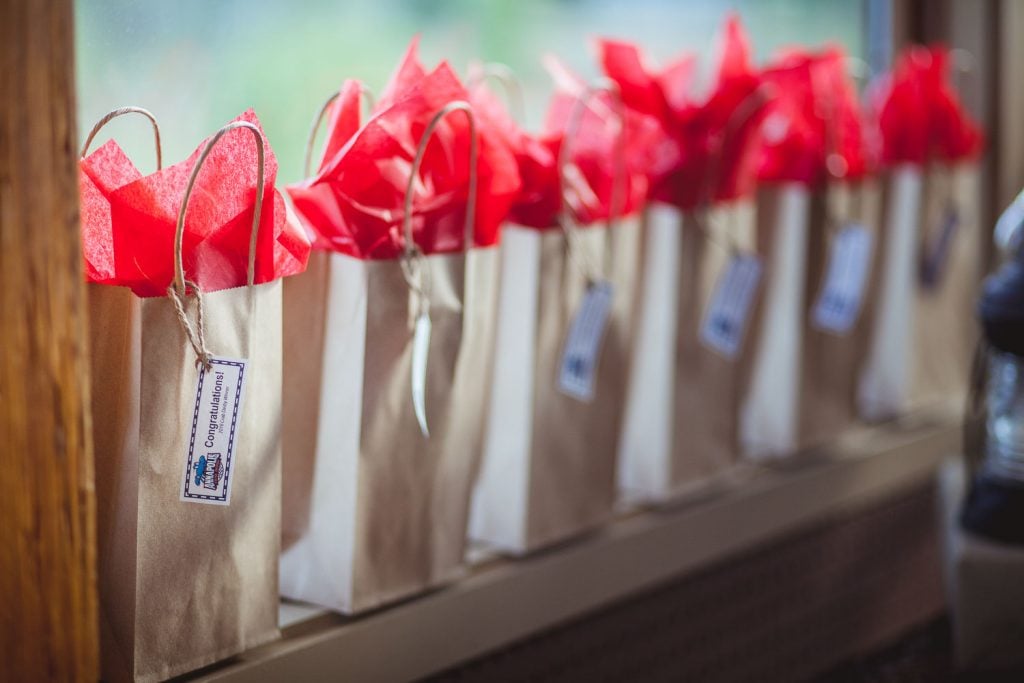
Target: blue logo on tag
(209, 471)
(577, 366)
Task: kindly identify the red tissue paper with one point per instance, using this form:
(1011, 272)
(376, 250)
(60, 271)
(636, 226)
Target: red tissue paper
(814, 126)
(129, 220)
(354, 203)
(537, 202)
(706, 148)
(919, 113)
(600, 163)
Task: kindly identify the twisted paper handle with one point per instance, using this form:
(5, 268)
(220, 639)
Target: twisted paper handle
(178, 291)
(111, 115)
(503, 74)
(319, 119)
(586, 100)
(416, 274)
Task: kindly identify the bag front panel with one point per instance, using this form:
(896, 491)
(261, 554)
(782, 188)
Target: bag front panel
(463, 434)
(945, 331)
(207, 574)
(573, 451)
(708, 386)
(401, 471)
(831, 362)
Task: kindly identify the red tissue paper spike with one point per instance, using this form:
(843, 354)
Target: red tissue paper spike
(919, 114)
(129, 220)
(814, 126)
(705, 150)
(354, 203)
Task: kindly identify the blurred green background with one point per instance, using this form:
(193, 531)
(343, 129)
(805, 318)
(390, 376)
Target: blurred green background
(198, 63)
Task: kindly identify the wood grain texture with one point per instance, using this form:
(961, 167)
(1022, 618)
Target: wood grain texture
(48, 624)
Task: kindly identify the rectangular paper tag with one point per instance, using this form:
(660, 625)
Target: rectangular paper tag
(211, 443)
(936, 251)
(580, 356)
(420, 351)
(842, 291)
(726, 319)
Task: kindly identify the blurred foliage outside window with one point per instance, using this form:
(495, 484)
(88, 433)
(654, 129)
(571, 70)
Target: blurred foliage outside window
(198, 63)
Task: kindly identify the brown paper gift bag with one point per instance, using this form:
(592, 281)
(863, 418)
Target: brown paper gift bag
(710, 386)
(831, 358)
(549, 467)
(682, 436)
(564, 337)
(375, 510)
(949, 271)
(183, 584)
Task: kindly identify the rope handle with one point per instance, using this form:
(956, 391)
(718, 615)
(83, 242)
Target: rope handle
(111, 115)
(179, 288)
(416, 275)
(587, 100)
(319, 119)
(506, 76)
(746, 110)
(179, 233)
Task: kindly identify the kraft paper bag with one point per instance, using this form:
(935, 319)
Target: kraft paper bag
(832, 358)
(770, 414)
(884, 385)
(182, 584)
(186, 405)
(711, 386)
(374, 510)
(948, 272)
(549, 465)
(680, 434)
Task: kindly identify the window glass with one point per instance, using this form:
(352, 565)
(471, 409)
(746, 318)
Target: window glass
(198, 63)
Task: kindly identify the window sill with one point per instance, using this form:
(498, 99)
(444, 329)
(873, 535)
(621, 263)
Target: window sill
(505, 600)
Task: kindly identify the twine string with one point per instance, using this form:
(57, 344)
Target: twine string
(196, 336)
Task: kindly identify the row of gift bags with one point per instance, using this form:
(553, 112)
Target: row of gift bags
(508, 389)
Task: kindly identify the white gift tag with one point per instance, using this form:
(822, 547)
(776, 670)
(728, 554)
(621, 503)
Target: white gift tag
(582, 347)
(420, 351)
(842, 291)
(726, 319)
(212, 441)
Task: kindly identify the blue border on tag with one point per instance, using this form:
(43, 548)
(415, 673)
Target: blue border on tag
(231, 435)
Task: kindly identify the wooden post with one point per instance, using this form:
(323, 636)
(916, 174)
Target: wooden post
(48, 622)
